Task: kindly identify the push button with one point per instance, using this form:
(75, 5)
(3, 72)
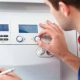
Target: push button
(5, 35)
(1, 39)
(5, 39)
(40, 52)
(1, 35)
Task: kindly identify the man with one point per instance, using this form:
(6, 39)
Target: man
(9, 76)
(67, 13)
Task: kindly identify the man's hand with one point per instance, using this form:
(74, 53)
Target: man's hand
(57, 45)
(9, 76)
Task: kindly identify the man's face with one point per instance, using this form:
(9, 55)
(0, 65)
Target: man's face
(65, 22)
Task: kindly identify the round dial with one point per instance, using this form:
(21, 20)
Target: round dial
(36, 38)
(19, 39)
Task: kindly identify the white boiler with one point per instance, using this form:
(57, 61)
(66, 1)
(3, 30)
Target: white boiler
(19, 26)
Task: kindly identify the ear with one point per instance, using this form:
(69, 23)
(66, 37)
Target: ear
(64, 9)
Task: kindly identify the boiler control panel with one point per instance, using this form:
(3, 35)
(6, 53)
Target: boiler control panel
(22, 34)
(19, 34)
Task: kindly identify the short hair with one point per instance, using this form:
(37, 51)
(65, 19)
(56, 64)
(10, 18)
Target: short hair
(74, 3)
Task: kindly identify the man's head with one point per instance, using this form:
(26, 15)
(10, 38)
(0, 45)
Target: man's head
(65, 12)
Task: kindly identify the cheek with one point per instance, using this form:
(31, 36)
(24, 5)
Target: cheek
(57, 16)
(55, 13)
(61, 20)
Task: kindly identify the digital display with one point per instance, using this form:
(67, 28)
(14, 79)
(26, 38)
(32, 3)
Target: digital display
(4, 27)
(28, 29)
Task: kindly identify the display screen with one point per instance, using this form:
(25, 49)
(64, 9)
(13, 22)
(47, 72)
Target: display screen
(4, 27)
(28, 29)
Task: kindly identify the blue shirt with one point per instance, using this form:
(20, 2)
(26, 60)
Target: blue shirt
(79, 74)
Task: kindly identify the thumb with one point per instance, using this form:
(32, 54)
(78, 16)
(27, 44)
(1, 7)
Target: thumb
(2, 69)
(43, 44)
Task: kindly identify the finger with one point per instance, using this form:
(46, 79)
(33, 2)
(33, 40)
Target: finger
(6, 77)
(58, 28)
(45, 32)
(54, 26)
(2, 69)
(45, 26)
(12, 74)
(49, 27)
(43, 45)
(2, 77)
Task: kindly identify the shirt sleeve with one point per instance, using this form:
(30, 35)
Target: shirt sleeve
(79, 74)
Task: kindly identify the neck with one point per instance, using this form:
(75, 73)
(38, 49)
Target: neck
(77, 22)
(75, 14)
(76, 19)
